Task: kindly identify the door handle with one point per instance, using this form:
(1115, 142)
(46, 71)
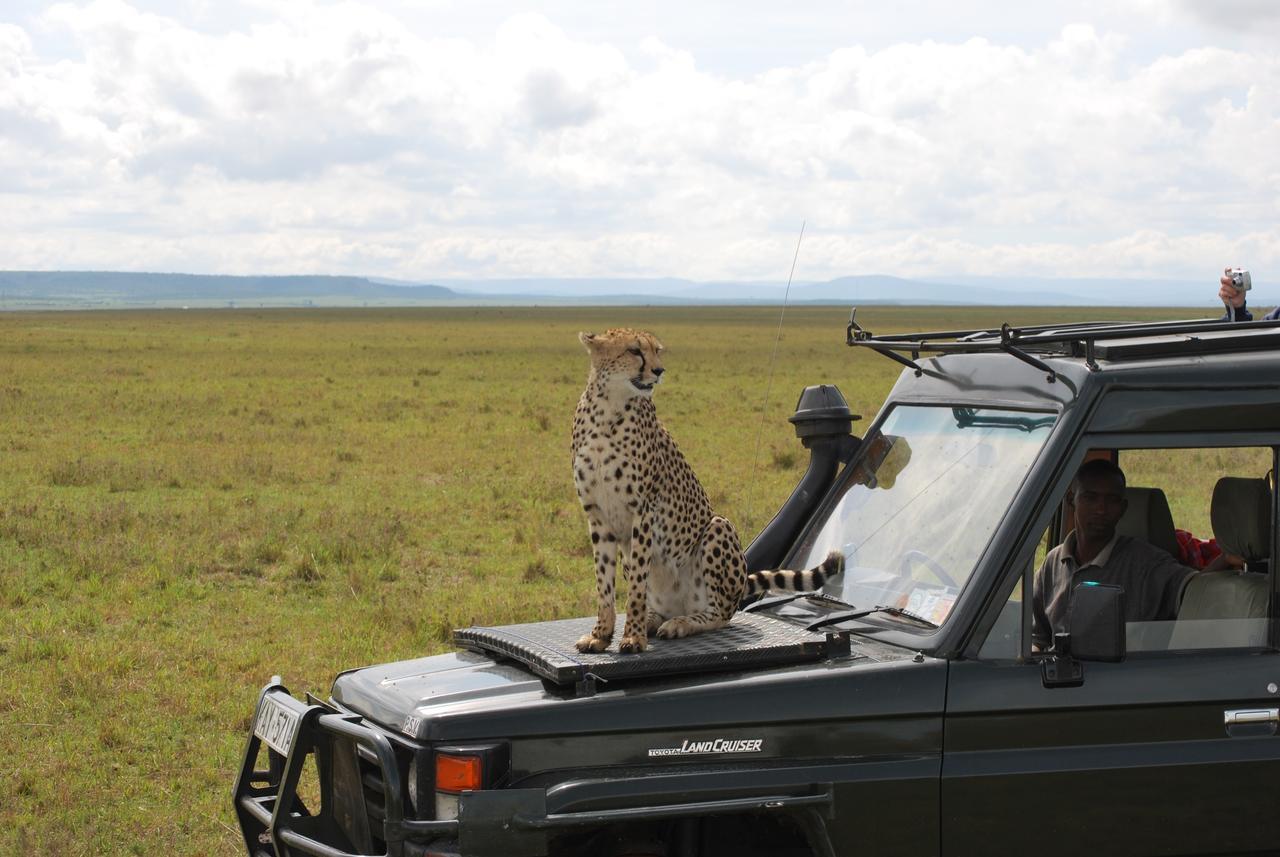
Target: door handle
(1251, 715)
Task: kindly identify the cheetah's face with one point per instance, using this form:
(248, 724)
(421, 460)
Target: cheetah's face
(629, 360)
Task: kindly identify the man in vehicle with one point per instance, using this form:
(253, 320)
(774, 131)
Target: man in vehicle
(1235, 298)
(1152, 579)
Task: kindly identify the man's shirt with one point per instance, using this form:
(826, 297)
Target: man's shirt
(1152, 581)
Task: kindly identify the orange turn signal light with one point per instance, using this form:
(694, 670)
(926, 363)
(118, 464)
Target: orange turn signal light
(458, 773)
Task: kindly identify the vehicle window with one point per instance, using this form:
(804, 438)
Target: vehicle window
(1188, 476)
(1004, 640)
(1186, 532)
(921, 502)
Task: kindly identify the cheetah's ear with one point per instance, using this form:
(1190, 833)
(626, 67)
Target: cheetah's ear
(587, 339)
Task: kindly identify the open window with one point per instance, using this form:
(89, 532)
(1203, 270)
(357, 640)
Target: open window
(1193, 547)
(1212, 508)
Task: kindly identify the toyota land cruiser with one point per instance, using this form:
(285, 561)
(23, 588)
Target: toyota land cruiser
(905, 709)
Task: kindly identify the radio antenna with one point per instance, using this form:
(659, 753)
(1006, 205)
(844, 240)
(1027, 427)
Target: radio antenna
(764, 410)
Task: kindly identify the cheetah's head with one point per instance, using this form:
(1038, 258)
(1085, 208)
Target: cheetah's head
(630, 361)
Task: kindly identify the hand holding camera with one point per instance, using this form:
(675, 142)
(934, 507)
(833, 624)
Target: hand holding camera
(1234, 283)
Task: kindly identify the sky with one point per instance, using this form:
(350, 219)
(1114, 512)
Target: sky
(429, 141)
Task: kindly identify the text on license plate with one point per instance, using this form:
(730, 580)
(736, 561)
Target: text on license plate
(276, 724)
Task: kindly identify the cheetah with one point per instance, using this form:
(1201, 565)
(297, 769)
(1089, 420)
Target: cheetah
(645, 507)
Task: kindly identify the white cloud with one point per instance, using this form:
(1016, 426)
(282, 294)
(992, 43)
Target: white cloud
(1238, 16)
(348, 139)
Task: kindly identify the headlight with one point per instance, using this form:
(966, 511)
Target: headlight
(446, 806)
(413, 783)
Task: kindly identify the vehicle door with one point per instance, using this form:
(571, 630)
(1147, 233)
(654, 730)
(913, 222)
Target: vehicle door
(1173, 750)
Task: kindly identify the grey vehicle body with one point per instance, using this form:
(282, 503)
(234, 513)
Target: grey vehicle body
(929, 727)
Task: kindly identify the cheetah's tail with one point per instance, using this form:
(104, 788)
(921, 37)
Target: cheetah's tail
(796, 581)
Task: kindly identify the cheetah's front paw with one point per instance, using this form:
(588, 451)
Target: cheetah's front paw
(633, 644)
(591, 643)
(674, 629)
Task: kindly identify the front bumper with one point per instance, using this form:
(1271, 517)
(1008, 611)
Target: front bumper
(360, 811)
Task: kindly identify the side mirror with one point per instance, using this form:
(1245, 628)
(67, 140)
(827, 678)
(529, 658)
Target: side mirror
(1096, 619)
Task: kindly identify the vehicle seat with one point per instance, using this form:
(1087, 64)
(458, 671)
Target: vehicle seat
(1229, 608)
(1148, 518)
(1241, 515)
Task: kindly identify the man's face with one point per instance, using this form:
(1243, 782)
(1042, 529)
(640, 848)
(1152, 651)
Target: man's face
(1100, 504)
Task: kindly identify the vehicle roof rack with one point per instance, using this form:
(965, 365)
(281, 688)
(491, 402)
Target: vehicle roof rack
(1092, 340)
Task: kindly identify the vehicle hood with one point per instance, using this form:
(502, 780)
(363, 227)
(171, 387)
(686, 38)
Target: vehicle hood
(471, 696)
(460, 681)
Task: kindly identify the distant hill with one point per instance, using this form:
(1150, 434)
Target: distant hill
(861, 289)
(130, 288)
(90, 289)
(880, 289)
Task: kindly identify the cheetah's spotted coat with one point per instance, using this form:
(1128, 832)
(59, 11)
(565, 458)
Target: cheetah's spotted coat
(645, 507)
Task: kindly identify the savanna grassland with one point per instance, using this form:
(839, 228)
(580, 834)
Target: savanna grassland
(191, 501)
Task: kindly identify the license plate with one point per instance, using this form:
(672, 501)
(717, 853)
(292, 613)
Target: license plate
(277, 724)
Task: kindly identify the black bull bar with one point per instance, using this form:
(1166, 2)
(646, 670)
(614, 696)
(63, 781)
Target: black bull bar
(273, 818)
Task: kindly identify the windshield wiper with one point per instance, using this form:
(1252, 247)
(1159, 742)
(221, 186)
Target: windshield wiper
(778, 600)
(846, 615)
(971, 418)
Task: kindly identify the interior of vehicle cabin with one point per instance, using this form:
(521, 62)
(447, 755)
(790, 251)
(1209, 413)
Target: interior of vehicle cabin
(1221, 526)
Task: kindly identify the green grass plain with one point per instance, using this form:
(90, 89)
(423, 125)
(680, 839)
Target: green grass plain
(192, 501)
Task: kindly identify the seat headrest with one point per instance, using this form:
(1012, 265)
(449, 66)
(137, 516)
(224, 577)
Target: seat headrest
(1241, 515)
(1147, 517)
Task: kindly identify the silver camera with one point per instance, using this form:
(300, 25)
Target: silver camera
(1240, 279)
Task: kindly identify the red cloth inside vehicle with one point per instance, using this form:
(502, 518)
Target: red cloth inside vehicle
(1194, 552)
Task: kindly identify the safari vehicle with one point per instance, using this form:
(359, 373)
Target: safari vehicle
(903, 709)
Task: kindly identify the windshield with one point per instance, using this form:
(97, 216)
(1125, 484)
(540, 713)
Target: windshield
(921, 501)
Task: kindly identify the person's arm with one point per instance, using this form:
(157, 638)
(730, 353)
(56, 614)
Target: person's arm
(1274, 315)
(1173, 577)
(1225, 562)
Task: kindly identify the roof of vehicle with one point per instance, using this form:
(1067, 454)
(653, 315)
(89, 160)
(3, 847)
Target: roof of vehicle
(1049, 366)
